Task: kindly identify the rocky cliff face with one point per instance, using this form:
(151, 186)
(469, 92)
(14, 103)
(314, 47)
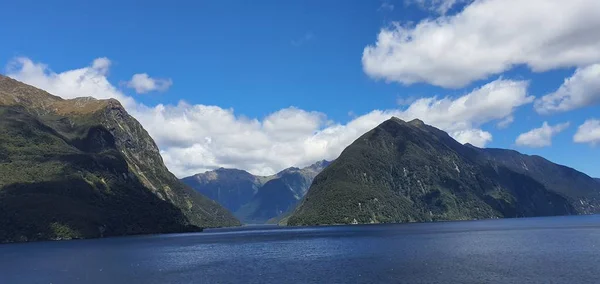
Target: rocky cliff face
(85, 168)
(408, 171)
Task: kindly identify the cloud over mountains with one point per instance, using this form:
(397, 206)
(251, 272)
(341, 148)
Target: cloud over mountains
(195, 137)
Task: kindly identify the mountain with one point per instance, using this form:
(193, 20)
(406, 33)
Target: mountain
(597, 179)
(256, 199)
(84, 168)
(231, 188)
(280, 194)
(409, 171)
(557, 178)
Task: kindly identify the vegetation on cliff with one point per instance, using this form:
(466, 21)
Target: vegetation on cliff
(85, 168)
(408, 172)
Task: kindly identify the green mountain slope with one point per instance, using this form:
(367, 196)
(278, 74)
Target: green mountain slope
(581, 189)
(84, 168)
(408, 171)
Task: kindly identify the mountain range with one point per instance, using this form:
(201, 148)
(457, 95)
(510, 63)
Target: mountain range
(412, 172)
(256, 199)
(84, 168)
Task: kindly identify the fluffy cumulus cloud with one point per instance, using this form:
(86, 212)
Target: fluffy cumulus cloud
(143, 83)
(475, 137)
(83, 82)
(493, 101)
(194, 138)
(588, 132)
(540, 137)
(487, 37)
(580, 90)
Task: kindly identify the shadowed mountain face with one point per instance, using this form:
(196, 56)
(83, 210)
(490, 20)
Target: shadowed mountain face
(256, 199)
(231, 188)
(582, 190)
(408, 171)
(84, 168)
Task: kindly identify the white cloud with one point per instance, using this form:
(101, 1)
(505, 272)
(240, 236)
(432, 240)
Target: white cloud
(506, 122)
(101, 65)
(142, 83)
(588, 132)
(475, 137)
(196, 138)
(493, 101)
(439, 6)
(540, 137)
(405, 101)
(83, 82)
(386, 6)
(580, 90)
(487, 37)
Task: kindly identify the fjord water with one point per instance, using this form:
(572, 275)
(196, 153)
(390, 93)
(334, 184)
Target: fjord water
(529, 250)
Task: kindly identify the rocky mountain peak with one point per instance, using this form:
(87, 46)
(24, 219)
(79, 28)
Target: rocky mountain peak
(13, 92)
(416, 122)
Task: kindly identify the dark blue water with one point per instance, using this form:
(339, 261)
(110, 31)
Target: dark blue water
(534, 250)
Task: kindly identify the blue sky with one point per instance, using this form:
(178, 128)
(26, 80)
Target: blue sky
(299, 68)
(225, 53)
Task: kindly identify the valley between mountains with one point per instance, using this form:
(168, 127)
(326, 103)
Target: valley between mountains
(85, 168)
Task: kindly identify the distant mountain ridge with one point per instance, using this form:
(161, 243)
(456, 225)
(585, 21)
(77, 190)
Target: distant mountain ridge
(557, 178)
(231, 188)
(85, 168)
(409, 171)
(256, 199)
